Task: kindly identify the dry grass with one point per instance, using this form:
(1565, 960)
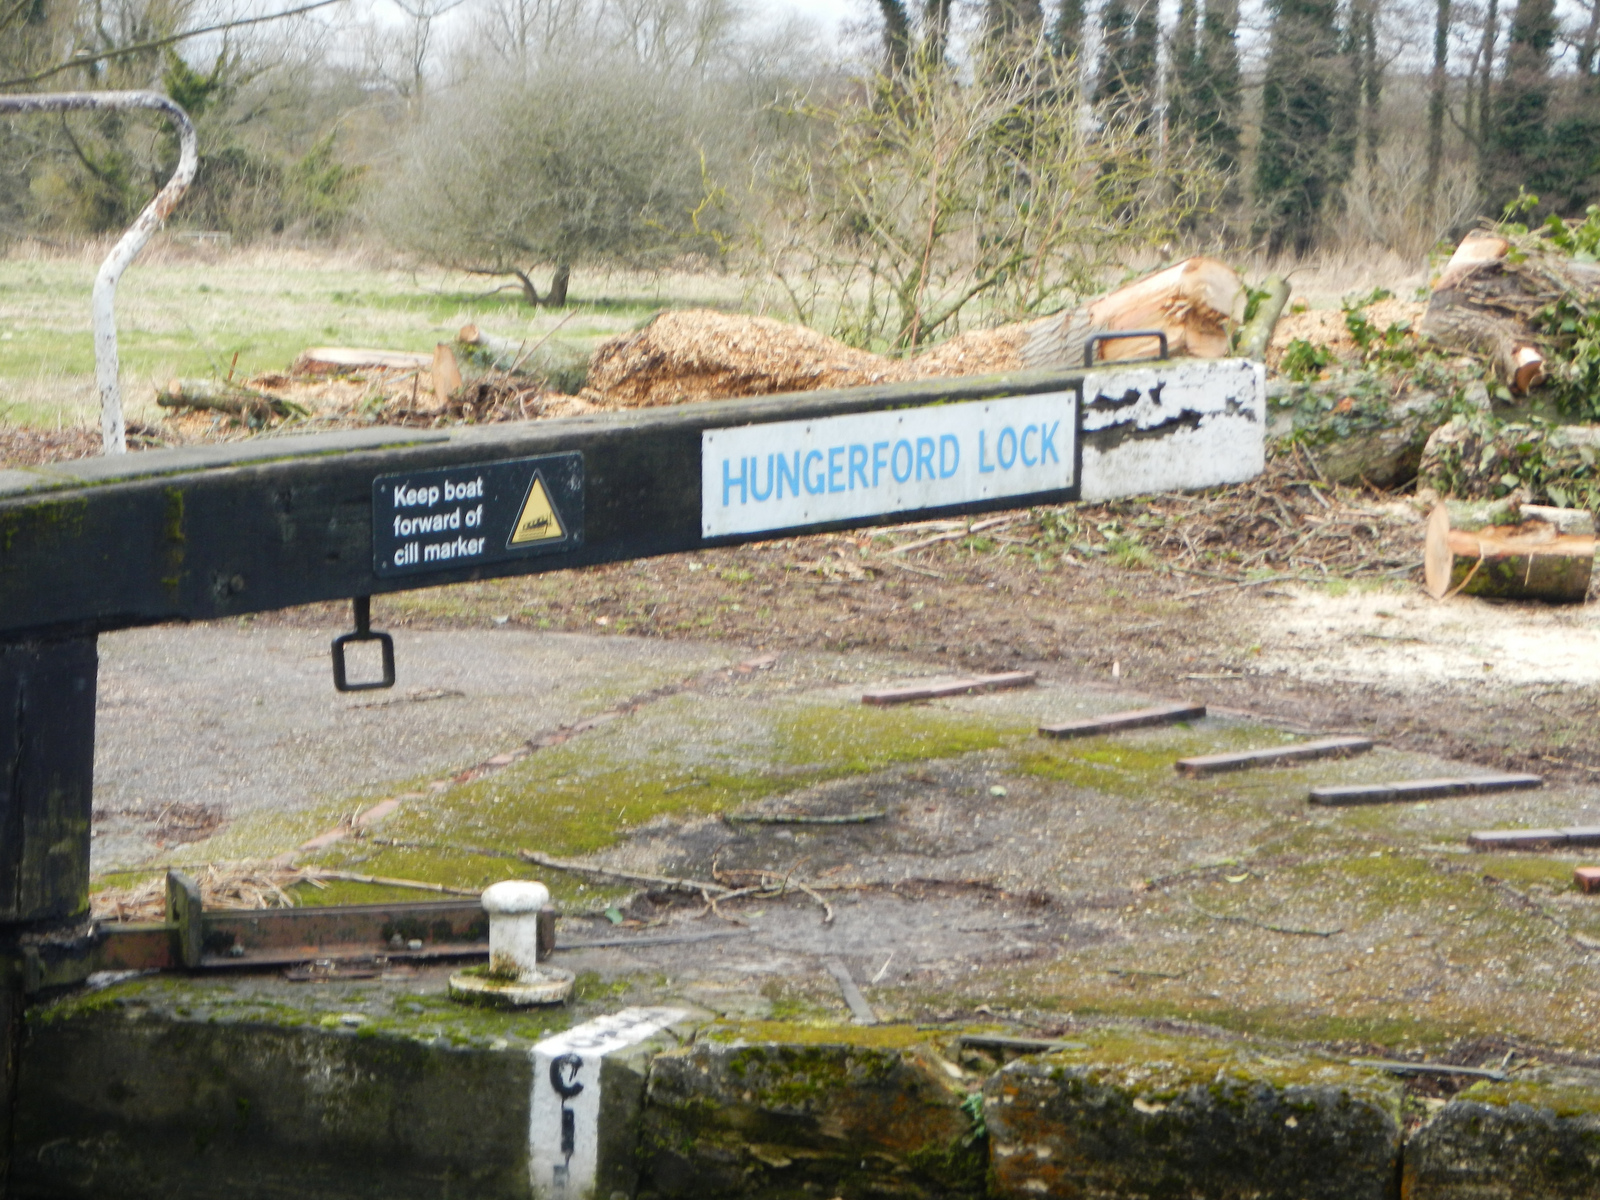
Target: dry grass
(234, 886)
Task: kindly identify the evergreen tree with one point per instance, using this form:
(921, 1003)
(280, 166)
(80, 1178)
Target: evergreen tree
(1215, 101)
(1305, 122)
(1203, 95)
(1528, 144)
(1066, 35)
(1128, 53)
(1184, 68)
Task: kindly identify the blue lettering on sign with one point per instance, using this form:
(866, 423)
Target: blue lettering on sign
(754, 490)
(867, 466)
(894, 462)
(1006, 458)
(858, 465)
(792, 476)
(815, 489)
(728, 482)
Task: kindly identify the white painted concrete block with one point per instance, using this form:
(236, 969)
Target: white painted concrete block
(1173, 426)
(564, 1133)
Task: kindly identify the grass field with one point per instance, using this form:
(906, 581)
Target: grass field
(188, 312)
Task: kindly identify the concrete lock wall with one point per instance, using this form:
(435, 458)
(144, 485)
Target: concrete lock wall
(152, 1094)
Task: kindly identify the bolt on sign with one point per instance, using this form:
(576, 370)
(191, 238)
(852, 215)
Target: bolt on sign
(485, 513)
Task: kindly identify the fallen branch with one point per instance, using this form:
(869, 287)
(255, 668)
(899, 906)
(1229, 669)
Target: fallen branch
(1267, 925)
(1255, 337)
(692, 887)
(854, 818)
(227, 397)
(957, 534)
(1241, 584)
(1150, 885)
(316, 874)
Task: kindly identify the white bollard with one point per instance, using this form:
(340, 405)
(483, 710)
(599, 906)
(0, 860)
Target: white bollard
(514, 976)
(514, 907)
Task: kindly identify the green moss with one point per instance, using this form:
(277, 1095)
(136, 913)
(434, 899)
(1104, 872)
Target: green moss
(799, 1033)
(1559, 1095)
(1163, 1066)
(411, 1016)
(689, 760)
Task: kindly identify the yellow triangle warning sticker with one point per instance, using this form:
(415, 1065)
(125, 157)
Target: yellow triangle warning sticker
(538, 522)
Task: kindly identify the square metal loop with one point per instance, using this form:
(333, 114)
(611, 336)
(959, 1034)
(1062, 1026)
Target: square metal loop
(341, 681)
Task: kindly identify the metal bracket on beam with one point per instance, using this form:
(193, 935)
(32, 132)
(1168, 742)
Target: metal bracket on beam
(363, 633)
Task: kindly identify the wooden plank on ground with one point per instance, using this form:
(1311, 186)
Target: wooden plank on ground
(1516, 839)
(854, 1000)
(1587, 879)
(934, 689)
(1422, 789)
(1274, 756)
(1137, 718)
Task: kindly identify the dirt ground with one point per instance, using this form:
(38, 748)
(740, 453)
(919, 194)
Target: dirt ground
(1502, 684)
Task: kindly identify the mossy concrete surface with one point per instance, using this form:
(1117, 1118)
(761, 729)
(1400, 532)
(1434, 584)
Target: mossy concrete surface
(121, 1103)
(261, 1089)
(1535, 1136)
(1147, 1115)
(816, 1118)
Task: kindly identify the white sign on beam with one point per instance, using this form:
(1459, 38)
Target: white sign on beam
(1171, 425)
(790, 474)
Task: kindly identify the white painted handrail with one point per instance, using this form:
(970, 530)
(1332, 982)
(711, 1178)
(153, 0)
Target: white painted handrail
(112, 431)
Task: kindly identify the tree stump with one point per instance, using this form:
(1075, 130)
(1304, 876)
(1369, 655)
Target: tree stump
(1525, 552)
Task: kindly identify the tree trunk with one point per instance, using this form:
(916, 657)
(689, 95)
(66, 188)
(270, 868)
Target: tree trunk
(562, 366)
(896, 36)
(1437, 85)
(688, 355)
(1547, 554)
(556, 297)
(1256, 336)
(530, 294)
(446, 373)
(1485, 89)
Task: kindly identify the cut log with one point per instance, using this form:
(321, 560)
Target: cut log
(1485, 303)
(1473, 550)
(341, 360)
(560, 365)
(226, 397)
(446, 374)
(1377, 444)
(699, 355)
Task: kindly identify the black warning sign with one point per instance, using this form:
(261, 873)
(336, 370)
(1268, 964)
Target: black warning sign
(452, 517)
